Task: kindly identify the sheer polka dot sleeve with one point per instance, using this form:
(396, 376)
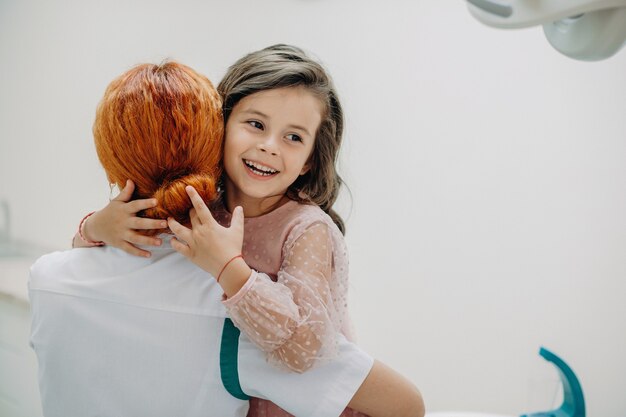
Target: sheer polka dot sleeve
(294, 319)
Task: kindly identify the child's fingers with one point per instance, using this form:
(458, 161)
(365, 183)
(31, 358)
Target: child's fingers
(180, 247)
(127, 192)
(140, 223)
(139, 239)
(179, 230)
(133, 250)
(202, 210)
(237, 220)
(195, 221)
(136, 206)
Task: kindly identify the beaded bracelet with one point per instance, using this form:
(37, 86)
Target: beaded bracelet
(82, 236)
(226, 264)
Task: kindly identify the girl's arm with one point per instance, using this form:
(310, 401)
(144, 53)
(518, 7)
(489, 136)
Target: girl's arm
(293, 319)
(117, 225)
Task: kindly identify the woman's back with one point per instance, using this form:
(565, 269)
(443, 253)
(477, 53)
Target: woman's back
(123, 335)
(119, 335)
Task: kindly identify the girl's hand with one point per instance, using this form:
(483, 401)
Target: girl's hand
(207, 244)
(118, 225)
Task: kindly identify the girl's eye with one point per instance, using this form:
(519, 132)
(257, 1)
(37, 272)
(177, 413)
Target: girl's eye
(294, 138)
(255, 124)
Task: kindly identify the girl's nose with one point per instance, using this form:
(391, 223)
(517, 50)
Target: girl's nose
(268, 146)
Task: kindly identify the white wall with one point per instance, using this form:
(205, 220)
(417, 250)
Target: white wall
(488, 172)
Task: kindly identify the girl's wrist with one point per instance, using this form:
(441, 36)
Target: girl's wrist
(85, 233)
(225, 265)
(234, 276)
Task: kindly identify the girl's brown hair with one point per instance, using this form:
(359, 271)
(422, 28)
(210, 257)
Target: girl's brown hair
(282, 66)
(161, 126)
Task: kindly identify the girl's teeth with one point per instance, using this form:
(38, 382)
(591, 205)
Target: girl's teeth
(261, 169)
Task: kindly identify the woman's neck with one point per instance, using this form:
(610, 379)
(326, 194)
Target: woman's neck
(252, 206)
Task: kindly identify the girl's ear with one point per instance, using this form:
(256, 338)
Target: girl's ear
(305, 168)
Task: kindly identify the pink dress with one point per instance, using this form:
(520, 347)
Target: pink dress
(295, 302)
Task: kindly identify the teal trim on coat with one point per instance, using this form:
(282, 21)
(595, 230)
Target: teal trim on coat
(228, 360)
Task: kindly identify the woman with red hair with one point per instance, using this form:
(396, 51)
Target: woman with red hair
(118, 335)
(162, 126)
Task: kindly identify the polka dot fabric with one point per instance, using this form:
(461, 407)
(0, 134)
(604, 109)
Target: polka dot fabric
(295, 302)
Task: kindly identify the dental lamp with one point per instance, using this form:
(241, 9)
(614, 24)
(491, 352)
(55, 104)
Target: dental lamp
(587, 30)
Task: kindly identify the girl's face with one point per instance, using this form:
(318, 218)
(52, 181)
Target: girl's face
(269, 138)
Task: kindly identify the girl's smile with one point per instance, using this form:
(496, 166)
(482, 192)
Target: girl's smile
(268, 141)
(256, 169)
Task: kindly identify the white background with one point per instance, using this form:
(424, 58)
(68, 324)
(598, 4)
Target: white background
(488, 173)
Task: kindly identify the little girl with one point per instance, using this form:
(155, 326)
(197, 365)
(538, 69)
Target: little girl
(285, 280)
